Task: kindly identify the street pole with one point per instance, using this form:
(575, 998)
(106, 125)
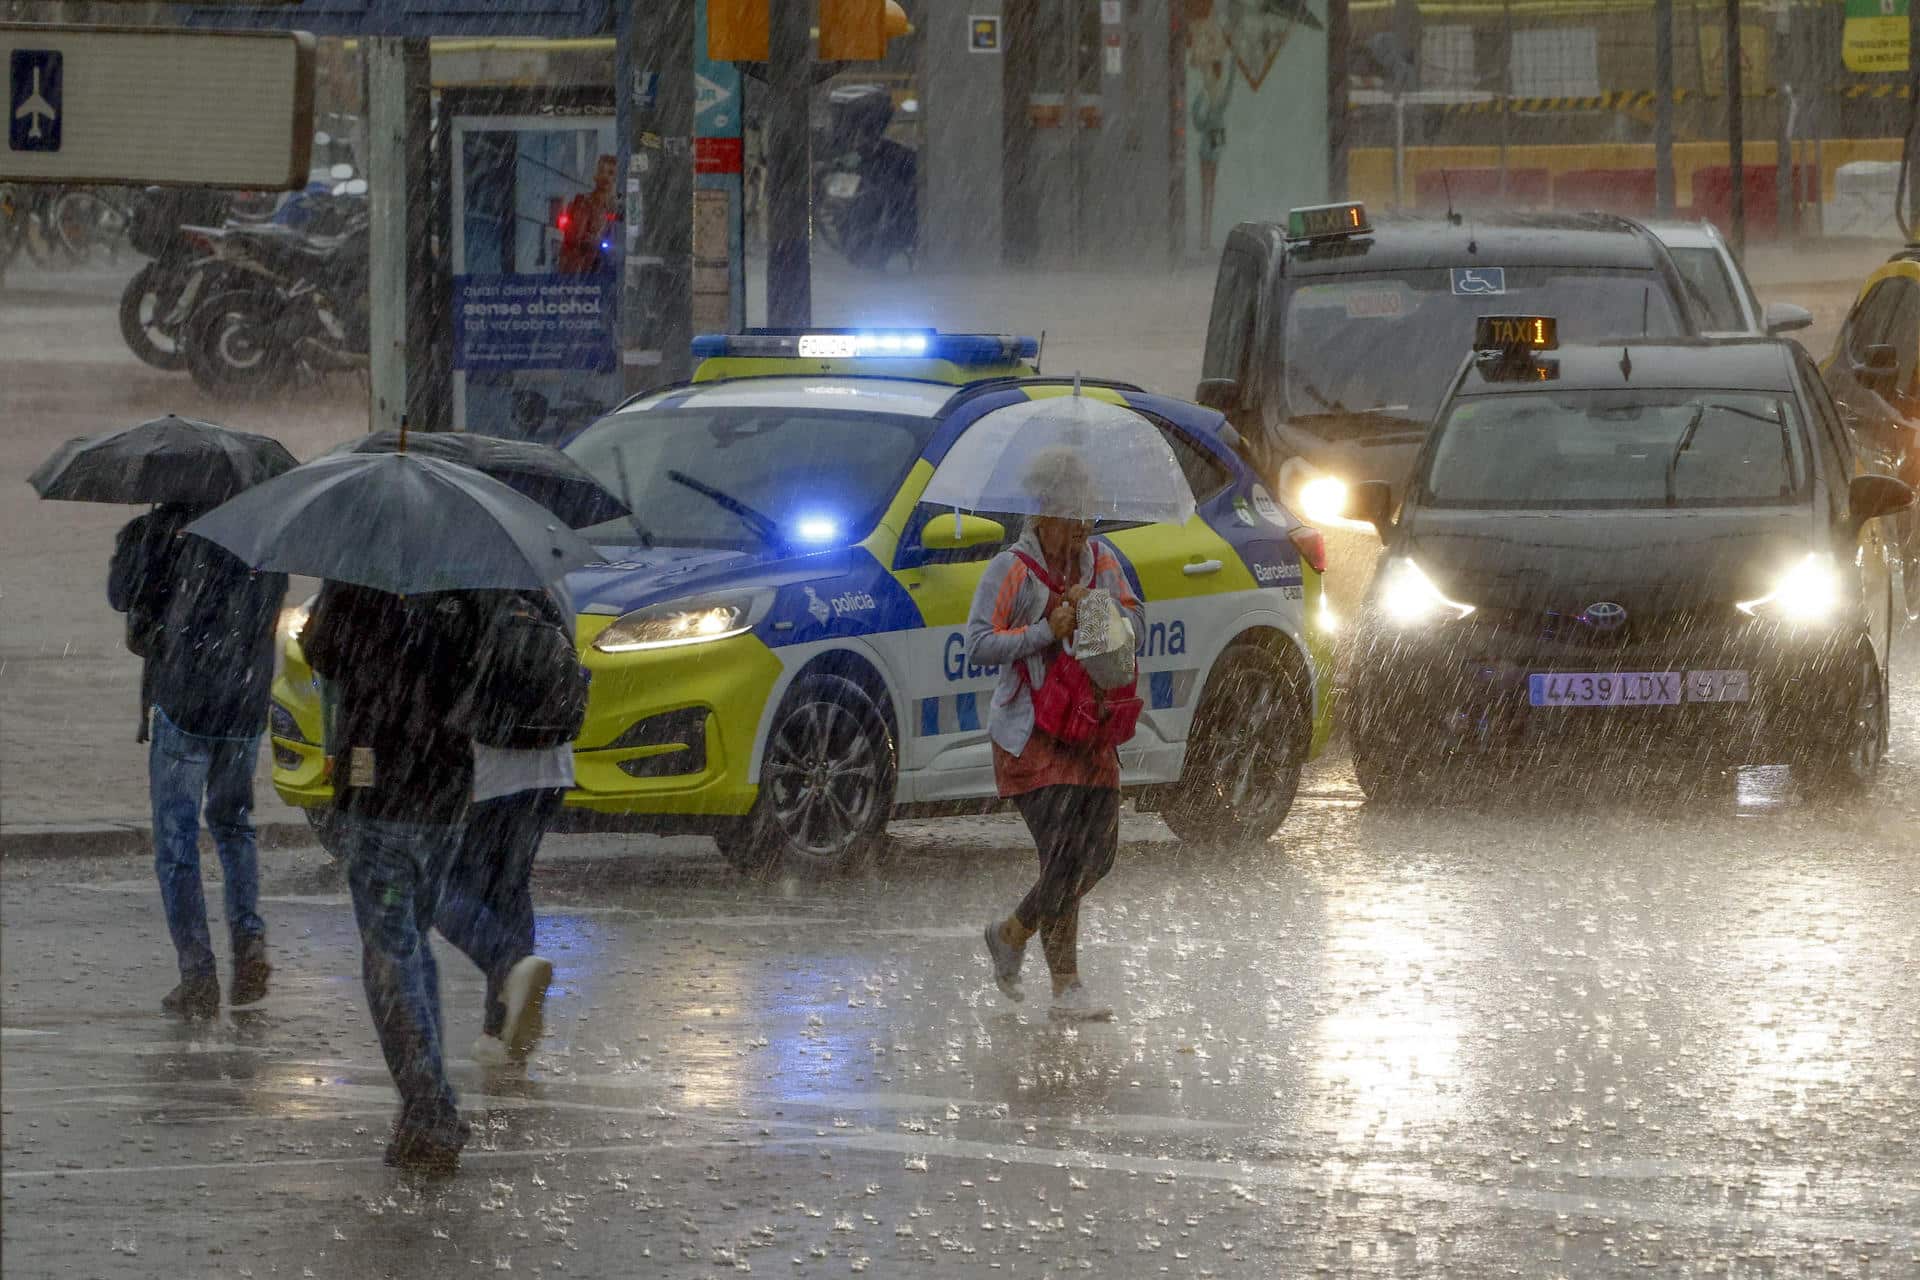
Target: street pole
(399, 342)
(654, 95)
(1913, 117)
(1339, 73)
(790, 166)
(1736, 132)
(1663, 107)
(1506, 91)
(1786, 186)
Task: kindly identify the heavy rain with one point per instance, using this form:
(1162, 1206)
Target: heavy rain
(882, 637)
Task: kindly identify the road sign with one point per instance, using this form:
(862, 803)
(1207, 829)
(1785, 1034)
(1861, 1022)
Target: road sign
(33, 113)
(157, 105)
(983, 33)
(1875, 36)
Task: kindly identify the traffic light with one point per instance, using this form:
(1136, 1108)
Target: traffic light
(850, 30)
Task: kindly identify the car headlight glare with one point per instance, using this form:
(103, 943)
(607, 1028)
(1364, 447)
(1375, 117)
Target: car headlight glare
(1408, 597)
(1324, 499)
(683, 622)
(1809, 591)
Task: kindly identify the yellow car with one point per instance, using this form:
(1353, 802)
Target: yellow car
(777, 643)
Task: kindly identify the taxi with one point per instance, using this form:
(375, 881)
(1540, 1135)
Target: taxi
(1657, 549)
(777, 641)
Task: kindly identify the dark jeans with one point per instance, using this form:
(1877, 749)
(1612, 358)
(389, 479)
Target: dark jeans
(183, 771)
(395, 871)
(486, 906)
(1076, 831)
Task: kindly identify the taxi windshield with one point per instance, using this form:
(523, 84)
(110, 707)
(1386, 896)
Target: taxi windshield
(749, 478)
(1379, 348)
(1639, 448)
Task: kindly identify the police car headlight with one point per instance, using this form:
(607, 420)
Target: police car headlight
(1408, 597)
(681, 622)
(1807, 592)
(294, 620)
(1324, 498)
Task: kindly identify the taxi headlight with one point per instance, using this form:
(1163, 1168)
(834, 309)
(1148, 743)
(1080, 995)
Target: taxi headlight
(1324, 498)
(681, 622)
(1809, 591)
(1408, 597)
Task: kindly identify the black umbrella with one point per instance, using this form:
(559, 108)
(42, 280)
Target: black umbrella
(166, 460)
(539, 471)
(396, 522)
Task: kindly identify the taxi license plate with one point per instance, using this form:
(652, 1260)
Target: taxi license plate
(843, 186)
(1634, 688)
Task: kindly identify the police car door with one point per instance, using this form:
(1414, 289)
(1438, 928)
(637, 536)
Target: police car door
(943, 750)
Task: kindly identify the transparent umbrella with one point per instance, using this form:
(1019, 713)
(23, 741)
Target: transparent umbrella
(1069, 455)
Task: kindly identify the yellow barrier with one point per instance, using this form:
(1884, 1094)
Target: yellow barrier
(1370, 169)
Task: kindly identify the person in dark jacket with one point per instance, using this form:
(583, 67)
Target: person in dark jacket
(209, 670)
(400, 670)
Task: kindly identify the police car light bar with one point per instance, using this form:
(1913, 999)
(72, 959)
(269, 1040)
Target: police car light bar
(1516, 333)
(850, 344)
(1328, 221)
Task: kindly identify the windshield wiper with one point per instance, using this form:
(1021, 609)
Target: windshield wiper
(1686, 442)
(626, 495)
(757, 521)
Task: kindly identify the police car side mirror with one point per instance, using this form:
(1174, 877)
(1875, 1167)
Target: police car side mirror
(1869, 497)
(1372, 501)
(974, 531)
(1785, 317)
(1222, 395)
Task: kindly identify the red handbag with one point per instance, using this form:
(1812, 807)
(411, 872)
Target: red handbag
(1068, 706)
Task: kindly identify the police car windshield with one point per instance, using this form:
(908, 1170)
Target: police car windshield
(746, 478)
(1630, 448)
(1379, 348)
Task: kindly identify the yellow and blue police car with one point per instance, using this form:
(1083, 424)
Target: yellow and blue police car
(777, 642)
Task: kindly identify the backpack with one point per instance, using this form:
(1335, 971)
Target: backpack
(1068, 706)
(531, 692)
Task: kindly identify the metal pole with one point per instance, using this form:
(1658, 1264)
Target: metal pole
(1736, 131)
(654, 103)
(1786, 172)
(1913, 86)
(790, 166)
(1339, 36)
(1506, 93)
(1070, 37)
(1399, 150)
(386, 231)
(1663, 107)
(429, 323)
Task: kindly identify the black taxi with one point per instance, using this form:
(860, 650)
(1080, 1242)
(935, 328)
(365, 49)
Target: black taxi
(1665, 548)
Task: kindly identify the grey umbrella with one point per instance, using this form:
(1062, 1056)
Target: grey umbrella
(539, 471)
(169, 459)
(396, 522)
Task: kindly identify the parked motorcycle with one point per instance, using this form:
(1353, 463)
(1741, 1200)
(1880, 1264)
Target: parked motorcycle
(300, 314)
(866, 200)
(157, 301)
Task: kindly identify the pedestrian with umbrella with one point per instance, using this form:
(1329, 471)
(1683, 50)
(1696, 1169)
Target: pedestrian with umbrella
(1064, 462)
(402, 541)
(522, 761)
(203, 624)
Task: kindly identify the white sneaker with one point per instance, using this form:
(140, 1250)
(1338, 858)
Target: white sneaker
(525, 996)
(1075, 1005)
(490, 1052)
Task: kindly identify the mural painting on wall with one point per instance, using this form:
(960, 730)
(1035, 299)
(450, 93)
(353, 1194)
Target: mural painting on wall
(1229, 41)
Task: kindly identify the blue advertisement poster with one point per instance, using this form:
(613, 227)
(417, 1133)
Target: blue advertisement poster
(535, 226)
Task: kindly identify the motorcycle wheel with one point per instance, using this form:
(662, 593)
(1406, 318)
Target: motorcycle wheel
(145, 306)
(234, 348)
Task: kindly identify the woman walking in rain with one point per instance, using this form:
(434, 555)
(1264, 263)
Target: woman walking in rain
(1027, 605)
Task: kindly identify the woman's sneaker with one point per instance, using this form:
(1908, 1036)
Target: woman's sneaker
(1005, 959)
(1075, 1005)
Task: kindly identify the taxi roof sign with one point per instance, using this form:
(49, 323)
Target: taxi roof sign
(1516, 333)
(1328, 221)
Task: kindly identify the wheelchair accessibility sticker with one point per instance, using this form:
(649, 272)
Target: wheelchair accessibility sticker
(1480, 280)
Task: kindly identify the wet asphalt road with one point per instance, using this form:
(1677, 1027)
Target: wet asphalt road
(1563, 1031)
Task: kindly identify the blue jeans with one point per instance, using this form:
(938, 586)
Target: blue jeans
(486, 906)
(183, 770)
(395, 871)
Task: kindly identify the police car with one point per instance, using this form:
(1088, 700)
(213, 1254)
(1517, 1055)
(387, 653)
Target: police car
(1331, 336)
(778, 645)
(1653, 547)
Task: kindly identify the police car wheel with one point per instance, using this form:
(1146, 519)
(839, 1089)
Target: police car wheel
(1852, 756)
(1244, 753)
(826, 785)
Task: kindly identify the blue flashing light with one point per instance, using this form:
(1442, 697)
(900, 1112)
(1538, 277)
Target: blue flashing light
(816, 529)
(854, 344)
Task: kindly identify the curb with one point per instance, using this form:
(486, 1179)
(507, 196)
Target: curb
(124, 839)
